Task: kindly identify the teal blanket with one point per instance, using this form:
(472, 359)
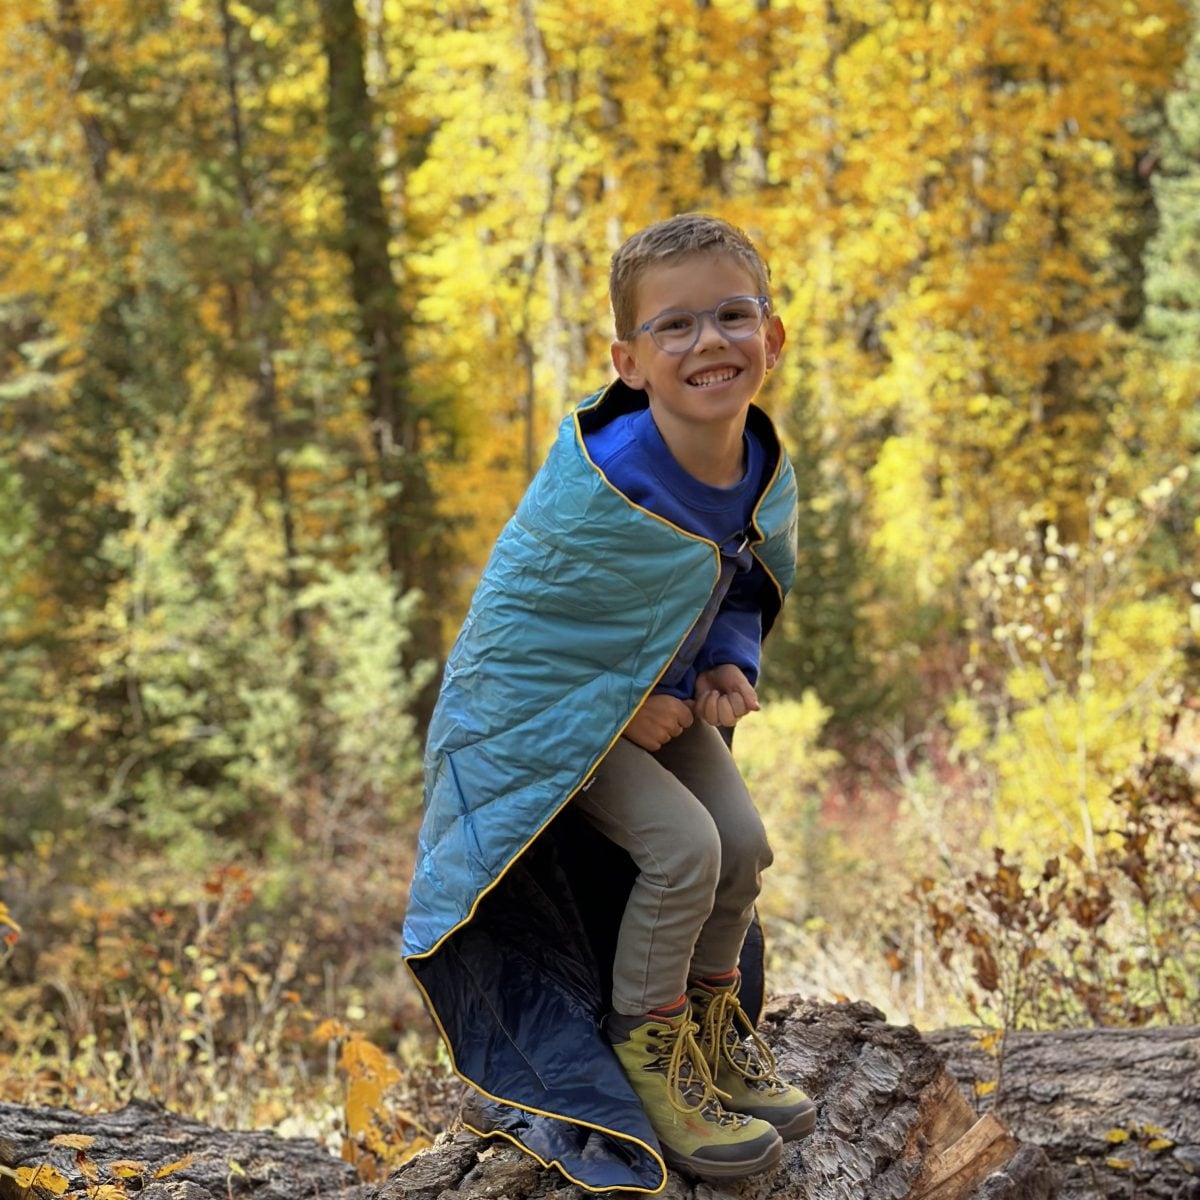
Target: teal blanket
(512, 911)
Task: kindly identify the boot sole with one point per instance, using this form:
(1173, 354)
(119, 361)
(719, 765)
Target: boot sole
(800, 1126)
(717, 1171)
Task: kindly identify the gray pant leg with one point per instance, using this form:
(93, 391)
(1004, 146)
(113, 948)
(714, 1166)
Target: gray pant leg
(701, 761)
(686, 819)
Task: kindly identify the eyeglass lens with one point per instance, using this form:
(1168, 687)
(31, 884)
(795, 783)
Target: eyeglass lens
(678, 331)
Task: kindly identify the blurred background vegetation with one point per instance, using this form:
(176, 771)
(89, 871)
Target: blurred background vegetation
(292, 295)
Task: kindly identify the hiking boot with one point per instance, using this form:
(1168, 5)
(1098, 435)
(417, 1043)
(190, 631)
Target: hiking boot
(742, 1065)
(659, 1054)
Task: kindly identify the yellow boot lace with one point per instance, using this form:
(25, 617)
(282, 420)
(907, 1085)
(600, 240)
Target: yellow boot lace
(726, 1030)
(688, 1074)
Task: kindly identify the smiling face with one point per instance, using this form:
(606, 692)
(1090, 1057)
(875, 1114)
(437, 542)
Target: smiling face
(708, 389)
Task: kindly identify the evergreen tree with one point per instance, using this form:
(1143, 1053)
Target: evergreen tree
(1173, 258)
(819, 644)
(1172, 317)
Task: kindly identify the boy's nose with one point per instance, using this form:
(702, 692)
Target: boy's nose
(709, 320)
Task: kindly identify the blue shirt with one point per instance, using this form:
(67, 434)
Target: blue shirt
(634, 458)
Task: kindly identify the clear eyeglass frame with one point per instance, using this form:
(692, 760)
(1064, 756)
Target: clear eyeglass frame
(677, 330)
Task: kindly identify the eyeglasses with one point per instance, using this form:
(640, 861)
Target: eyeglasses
(677, 330)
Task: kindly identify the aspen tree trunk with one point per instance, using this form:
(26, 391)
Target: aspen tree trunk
(559, 344)
(71, 38)
(379, 77)
(824, 206)
(760, 149)
(542, 168)
(567, 326)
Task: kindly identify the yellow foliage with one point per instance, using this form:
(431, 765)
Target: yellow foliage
(43, 1178)
(1028, 684)
(179, 1165)
(7, 920)
(74, 1141)
(107, 1191)
(126, 1168)
(329, 1030)
(911, 550)
(939, 190)
(944, 194)
(1089, 663)
(785, 768)
(778, 749)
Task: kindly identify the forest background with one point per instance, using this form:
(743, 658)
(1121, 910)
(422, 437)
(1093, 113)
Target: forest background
(293, 294)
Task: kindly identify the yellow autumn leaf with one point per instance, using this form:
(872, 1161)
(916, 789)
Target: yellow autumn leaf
(419, 1143)
(180, 1165)
(1160, 1143)
(361, 1059)
(329, 1030)
(108, 1191)
(985, 1087)
(76, 1141)
(1118, 1164)
(46, 1178)
(363, 1099)
(1117, 1135)
(127, 1168)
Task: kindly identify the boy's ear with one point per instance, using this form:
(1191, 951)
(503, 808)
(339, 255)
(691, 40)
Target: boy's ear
(776, 336)
(627, 367)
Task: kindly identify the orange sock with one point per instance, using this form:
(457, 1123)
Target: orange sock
(670, 1010)
(722, 980)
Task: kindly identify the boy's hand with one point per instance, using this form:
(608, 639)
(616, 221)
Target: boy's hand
(660, 719)
(724, 695)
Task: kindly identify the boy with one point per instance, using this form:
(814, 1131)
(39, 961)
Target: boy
(615, 630)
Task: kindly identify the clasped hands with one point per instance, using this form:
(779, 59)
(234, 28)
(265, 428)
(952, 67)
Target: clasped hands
(723, 696)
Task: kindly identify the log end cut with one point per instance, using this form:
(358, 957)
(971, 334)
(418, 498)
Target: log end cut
(960, 1151)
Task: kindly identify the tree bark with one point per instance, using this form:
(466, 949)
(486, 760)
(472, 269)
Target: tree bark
(271, 1168)
(1092, 1098)
(893, 1124)
(397, 421)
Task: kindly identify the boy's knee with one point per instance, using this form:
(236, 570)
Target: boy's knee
(746, 850)
(696, 860)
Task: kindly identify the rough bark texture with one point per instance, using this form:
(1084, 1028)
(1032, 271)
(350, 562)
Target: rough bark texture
(892, 1123)
(272, 1168)
(1069, 1091)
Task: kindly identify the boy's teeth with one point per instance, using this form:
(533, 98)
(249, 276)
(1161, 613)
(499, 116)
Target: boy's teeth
(712, 377)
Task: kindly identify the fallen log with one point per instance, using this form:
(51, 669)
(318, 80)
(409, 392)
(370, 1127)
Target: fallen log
(1116, 1110)
(893, 1124)
(144, 1151)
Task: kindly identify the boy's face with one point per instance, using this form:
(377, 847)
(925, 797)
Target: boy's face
(714, 382)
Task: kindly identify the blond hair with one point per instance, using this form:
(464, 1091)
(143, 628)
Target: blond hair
(668, 241)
